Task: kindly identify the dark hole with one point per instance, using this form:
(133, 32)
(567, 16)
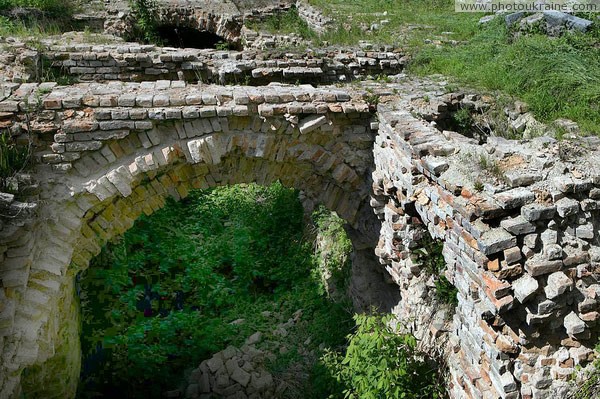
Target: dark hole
(178, 36)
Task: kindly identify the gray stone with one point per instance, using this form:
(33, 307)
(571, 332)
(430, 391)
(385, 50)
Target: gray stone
(585, 231)
(515, 198)
(573, 324)
(567, 206)
(83, 146)
(215, 363)
(517, 225)
(512, 255)
(496, 240)
(311, 123)
(553, 251)
(538, 265)
(511, 19)
(508, 382)
(525, 287)
(538, 211)
(557, 18)
(557, 284)
(437, 166)
(239, 375)
(254, 338)
(518, 178)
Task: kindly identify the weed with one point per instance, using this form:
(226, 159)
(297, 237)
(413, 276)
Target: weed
(14, 158)
(463, 119)
(146, 26)
(478, 186)
(431, 257)
(222, 46)
(383, 78)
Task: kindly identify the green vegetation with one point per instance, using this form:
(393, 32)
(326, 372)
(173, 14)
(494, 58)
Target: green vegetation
(37, 18)
(430, 256)
(463, 120)
(50, 7)
(557, 77)
(409, 22)
(145, 27)
(285, 23)
(163, 297)
(333, 252)
(381, 363)
(13, 158)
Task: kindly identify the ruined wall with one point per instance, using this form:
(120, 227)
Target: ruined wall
(519, 226)
(313, 17)
(519, 220)
(136, 62)
(109, 153)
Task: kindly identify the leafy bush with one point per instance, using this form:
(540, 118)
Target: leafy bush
(145, 27)
(380, 363)
(162, 298)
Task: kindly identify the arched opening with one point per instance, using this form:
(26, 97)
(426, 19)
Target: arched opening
(247, 152)
(206, 273)
(185, 37)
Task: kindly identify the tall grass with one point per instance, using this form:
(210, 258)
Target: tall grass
(52, 7)
(559, 78)
(286, 23)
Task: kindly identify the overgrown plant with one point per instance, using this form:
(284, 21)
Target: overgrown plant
(333, 252)
(162, 298)
(463, 120)
(430, 255)
(13, 158)
(380, 363)
(145, 27)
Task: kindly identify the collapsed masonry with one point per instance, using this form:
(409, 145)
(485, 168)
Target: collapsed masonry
(519, 220)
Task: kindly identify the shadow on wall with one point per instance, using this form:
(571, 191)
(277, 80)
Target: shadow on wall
(184, 37)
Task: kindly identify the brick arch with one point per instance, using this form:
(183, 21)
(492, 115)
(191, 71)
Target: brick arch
(113, 169)
(226, 26)
(116, 214)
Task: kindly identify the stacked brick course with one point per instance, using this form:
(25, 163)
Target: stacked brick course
(520, 248)
(135, 63)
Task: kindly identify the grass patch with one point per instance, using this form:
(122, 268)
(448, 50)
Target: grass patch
(558, 78)
(36, 18)
(285, 23)
(50, 7)
(409, 22)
